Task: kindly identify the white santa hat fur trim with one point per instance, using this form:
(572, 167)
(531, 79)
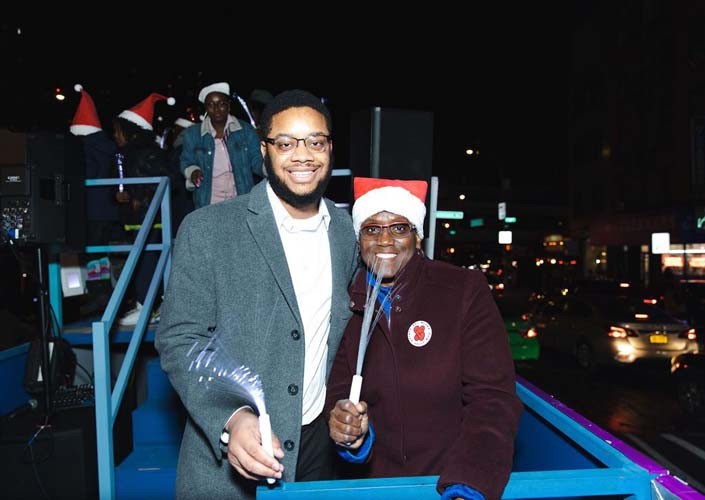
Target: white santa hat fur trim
(142, 114)
(183, 122)
(389, 198)
(222, 87)
(85, 119)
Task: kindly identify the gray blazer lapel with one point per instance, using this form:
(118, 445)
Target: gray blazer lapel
(340, 260)
(264, 231)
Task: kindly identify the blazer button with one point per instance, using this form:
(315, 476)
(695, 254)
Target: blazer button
(295, 334)
(397, 297)
(352, 303)
(293, 389)
(288, 445)
(397, 309)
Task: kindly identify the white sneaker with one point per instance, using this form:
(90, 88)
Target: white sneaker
(156, 315)
(130, 317)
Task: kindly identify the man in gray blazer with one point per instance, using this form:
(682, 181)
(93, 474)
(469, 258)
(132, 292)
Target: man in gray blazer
(266, 274)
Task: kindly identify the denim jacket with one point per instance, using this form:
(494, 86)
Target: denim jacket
(199, 149)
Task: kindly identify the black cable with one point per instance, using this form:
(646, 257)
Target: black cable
(22, 262)
(45, 332)
(88, 374)
(36, 475)
(35, 460)
(54, 322)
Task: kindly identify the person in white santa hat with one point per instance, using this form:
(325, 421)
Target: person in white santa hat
(221, 158)
(438, 382)
(139, 155)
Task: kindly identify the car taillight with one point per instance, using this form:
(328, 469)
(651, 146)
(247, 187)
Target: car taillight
(676, 365)
(650, 301)
(690, 335)
(618, 332)
(531, 333)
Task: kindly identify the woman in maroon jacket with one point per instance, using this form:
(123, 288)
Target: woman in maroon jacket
(438, 393)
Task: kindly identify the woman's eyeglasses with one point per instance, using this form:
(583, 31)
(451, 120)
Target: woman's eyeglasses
(398, 230)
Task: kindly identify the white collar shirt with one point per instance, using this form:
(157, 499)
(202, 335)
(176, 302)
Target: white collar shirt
(307, 250)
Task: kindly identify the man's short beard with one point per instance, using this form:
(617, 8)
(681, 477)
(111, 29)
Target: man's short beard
(296, 200)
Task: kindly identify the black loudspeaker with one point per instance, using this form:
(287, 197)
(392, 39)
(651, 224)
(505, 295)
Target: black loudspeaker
(58, 462)
(340, 190)
(391, 143)
(42, 178)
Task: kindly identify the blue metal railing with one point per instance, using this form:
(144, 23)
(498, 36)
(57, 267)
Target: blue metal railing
(107, 402)
(558, 454)
(107, 398)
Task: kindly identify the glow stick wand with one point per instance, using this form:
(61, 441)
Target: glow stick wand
(121, 173)
(247, 110)
(368, 326)
(218, 375)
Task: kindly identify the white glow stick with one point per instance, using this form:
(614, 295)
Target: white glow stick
(217, 371)
(369, 323)
(265, 430)
(247, 110)
(355, 389)
(121, 172)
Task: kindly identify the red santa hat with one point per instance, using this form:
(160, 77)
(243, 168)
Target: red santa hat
(405, 198)
(85, 119)
(142, 114)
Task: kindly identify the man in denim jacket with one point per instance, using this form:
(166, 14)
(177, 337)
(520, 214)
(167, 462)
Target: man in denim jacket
(221, 157)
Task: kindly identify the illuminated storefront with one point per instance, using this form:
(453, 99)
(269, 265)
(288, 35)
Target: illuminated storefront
(692, 255)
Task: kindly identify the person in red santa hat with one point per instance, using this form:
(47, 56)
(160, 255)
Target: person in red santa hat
(139, 155)
(438, 383)
(99, 150)
(101, 215)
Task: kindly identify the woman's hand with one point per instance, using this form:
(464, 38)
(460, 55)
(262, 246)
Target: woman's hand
(348, 423)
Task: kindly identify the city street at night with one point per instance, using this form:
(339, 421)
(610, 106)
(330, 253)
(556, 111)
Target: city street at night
(635, 403)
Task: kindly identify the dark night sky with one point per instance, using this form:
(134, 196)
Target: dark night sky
(495, 79)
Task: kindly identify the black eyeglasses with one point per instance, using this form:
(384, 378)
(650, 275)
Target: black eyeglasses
(398, 230)
(285, 144)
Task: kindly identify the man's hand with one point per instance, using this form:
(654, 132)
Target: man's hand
(245, 452)
(197, 178)
(348, 423)
(122, 196)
